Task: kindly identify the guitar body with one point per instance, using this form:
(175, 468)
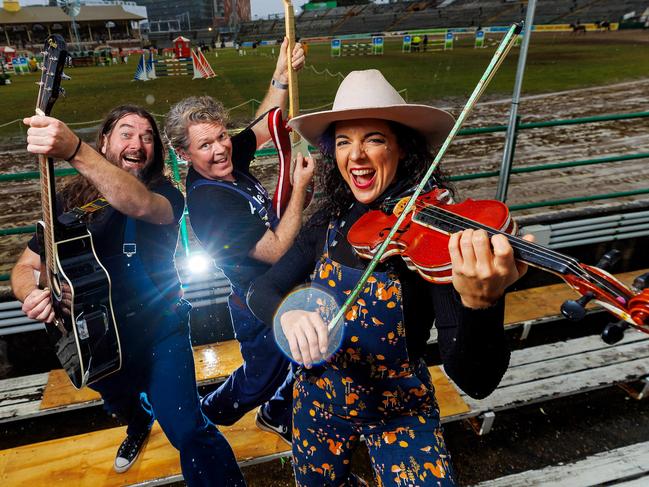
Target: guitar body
(84, 332)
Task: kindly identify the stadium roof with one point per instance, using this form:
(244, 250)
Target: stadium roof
(46, 15)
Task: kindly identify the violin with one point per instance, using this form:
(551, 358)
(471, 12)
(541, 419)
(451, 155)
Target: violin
(422, 242)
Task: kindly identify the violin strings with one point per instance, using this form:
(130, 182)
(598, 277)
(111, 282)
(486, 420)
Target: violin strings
(531, 247)
(453, 219)
(429, 209)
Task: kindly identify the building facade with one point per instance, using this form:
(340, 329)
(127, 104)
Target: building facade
(197, 14)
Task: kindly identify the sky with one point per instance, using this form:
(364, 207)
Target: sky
(262, 8)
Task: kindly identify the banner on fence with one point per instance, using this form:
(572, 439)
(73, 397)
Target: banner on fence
(479, 38)
(407, 43)
(20, 65)
(335, 47)
(448, 41)
(377, 45)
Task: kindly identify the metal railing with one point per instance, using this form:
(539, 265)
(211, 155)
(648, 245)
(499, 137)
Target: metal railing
(175, 163)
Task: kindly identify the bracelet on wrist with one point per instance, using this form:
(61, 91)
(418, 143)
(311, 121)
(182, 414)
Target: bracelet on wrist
(76, 150)
(278, 84)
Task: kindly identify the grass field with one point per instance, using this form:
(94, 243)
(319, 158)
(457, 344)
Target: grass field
(555, 62)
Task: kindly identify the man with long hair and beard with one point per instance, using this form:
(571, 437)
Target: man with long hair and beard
(157, 378)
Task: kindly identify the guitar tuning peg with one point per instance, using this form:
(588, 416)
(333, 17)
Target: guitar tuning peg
(62, 92)
(65, 76)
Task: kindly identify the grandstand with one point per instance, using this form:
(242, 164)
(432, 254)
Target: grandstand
(28, 28)
(422, 14)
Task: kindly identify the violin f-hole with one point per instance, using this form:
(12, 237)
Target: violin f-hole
(384, 231)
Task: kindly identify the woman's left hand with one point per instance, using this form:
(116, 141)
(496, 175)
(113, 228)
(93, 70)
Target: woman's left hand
(483, 268)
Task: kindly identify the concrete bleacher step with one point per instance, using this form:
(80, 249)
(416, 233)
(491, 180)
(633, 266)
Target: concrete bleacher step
(623, 467)
(87, 459)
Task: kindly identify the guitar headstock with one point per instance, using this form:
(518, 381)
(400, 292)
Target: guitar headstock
(55, 56)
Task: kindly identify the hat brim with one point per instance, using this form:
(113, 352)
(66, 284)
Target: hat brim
(432, 123)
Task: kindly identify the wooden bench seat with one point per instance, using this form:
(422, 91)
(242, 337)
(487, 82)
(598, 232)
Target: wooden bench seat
(51, 392)
(566, 368)
(542, 304)
(536, 374)
(86, 460)
(48, 393)
(623, 467)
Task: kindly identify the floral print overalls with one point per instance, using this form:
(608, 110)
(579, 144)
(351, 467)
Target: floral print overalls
(370, 388)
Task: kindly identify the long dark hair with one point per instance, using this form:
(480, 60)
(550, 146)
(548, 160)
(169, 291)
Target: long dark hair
(78, 190)
(336, 196)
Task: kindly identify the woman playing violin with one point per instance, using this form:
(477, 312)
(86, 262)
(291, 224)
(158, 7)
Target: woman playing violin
(375, 146)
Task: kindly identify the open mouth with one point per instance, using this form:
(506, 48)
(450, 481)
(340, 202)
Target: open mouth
(363, 178)
(134, 159)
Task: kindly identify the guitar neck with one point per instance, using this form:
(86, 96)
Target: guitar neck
(46, 167)
(293, 93)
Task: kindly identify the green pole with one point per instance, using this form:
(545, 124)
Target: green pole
(173, 162)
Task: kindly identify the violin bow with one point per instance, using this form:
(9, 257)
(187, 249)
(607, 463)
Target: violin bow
(505, 46)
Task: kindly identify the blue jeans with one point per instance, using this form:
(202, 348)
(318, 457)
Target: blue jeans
(264, 377)
(163, 371)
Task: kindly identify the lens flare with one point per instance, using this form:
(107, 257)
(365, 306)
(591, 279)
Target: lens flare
(311, 299)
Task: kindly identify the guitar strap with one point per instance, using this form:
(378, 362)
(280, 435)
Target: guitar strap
(76, 215)
(280, 137)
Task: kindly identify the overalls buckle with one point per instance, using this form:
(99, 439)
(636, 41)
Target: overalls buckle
(129, 249)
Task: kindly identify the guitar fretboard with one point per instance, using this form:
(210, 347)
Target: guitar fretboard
(47, 203)
(293, 92)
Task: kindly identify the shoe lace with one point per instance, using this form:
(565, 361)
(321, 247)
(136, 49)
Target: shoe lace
(131, 445)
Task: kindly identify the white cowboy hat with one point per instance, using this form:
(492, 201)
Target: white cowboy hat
(367, 94)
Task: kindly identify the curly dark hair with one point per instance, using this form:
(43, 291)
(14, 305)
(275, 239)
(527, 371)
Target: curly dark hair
(78, 191)
(336, 196)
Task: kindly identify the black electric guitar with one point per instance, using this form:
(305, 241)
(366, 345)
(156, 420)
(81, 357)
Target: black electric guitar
(84, 332)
